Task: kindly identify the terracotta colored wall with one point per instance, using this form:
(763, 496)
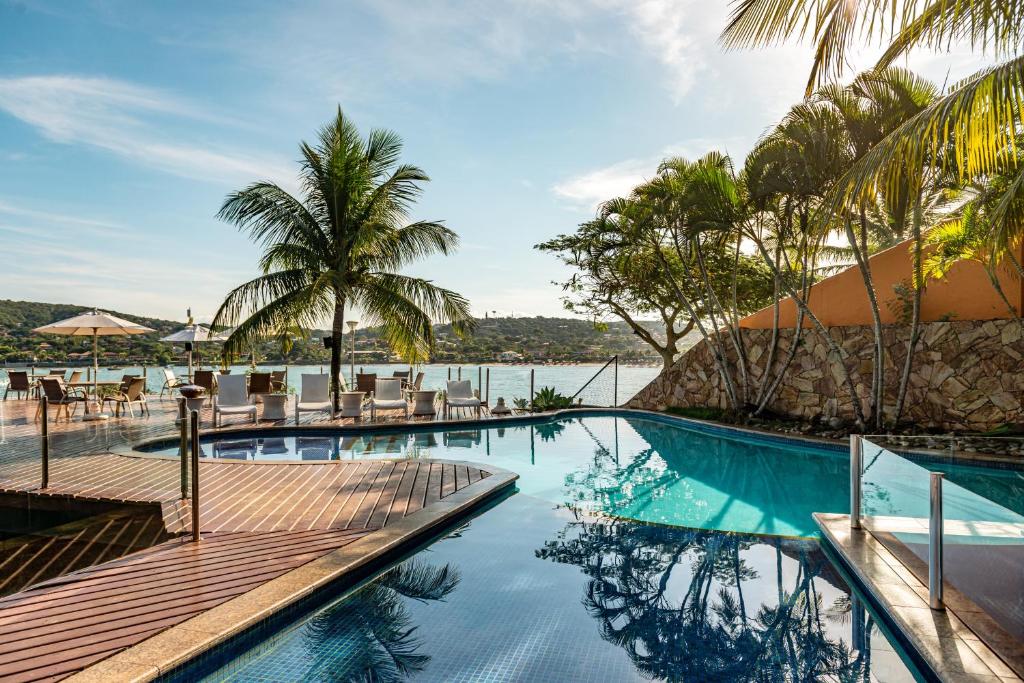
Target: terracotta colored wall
(965, 294)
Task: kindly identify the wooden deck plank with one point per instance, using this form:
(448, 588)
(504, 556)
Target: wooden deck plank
(259, 520)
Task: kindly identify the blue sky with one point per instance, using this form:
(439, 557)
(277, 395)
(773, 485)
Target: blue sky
(124, 124)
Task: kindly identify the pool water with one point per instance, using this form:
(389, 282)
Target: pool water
(646, 469)
(530, 591)
(635, 548)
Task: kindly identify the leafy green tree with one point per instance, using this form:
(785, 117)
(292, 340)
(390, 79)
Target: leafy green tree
(342, 244)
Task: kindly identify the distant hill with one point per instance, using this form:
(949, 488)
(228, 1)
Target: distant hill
(19, 343)
(522, 338)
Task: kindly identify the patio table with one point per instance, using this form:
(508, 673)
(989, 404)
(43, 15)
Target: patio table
(89, 385)
(352, 403)
(423, 402)
(273, 406)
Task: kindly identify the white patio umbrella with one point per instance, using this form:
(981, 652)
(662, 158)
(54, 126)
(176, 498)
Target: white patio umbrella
(94, 324)
(192, 334)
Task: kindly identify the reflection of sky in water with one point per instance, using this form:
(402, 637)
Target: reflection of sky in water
(532, 592)
(657, 472)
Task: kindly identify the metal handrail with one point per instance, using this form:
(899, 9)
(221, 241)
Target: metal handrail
(183, 447)
(615, 391)
(44, 408)
(935, 533)
(195, 476)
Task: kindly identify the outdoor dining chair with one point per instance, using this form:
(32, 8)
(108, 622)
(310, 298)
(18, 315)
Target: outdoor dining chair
(277, 381)
(232, 399)
(315, 396)
(76, 376)
(387, 395)
(206, 380)
(366, 382)
(57, 394)
(460, 394)
(19, 383)
(259, 384)
(131, 391)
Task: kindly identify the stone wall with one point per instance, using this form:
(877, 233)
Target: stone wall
(966, 375)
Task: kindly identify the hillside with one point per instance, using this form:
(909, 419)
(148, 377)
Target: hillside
(526, 339)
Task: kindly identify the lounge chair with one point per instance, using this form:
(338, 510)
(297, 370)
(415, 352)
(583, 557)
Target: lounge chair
(58, 373)
(259, 384)
(57, 394)
(387, 395)
(315, 397)
(18, 382)
(232, 399)
(170, 383)
(132, 391)
(460, 394)
(418, 384)
(76, 376)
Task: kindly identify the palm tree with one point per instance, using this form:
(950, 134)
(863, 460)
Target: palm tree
(977, 118)
(342, 244)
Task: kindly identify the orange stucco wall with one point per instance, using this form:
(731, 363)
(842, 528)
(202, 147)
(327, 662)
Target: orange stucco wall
(965, 294)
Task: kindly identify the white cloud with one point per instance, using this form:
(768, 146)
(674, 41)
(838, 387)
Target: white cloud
(132, 122)
(590, 188)
(666, 29)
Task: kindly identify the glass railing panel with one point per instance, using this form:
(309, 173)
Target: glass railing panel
(983, 554)
(894, 491)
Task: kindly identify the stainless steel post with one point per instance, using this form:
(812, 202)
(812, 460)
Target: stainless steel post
(856, 473)
(487, 396)
(45, 408)
(183, 447)
(615, 391)
(531, 389)
(195, 476)
(935, 530)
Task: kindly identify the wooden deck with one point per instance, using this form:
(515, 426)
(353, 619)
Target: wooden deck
(258, 520)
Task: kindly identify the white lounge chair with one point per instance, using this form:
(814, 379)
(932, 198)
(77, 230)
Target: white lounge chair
(232, 399)
(170, 383)
(387, 395)
(460, 394)
(315, 397)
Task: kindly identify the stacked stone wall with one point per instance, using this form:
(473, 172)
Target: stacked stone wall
(966, 375)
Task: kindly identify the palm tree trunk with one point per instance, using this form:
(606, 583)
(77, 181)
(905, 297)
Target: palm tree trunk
(860, 252)
(915, 322)
(337, 325)
(833, 347)
(774, 345)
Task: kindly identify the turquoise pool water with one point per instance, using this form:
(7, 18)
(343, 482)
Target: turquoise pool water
(528, 591)
(635, 548)
(653, 470)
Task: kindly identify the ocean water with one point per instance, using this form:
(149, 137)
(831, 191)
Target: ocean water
(506, 381)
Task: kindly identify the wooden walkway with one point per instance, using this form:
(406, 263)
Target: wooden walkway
(258, 520)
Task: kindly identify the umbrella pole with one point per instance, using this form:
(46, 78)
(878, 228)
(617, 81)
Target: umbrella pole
(95, 381)
(190, 366)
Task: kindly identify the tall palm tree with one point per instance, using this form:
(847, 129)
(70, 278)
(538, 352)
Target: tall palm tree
(342, 244)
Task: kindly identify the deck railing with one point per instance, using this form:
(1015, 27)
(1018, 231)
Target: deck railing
(953, 518)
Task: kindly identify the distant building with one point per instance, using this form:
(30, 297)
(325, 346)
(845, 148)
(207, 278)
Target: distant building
(509, 356)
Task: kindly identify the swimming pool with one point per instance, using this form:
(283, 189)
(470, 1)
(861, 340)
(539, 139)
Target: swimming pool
(635, 548)
(639, 467)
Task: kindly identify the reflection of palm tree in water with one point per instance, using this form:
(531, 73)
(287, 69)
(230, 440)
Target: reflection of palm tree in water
(368, 637)
(705, 631)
